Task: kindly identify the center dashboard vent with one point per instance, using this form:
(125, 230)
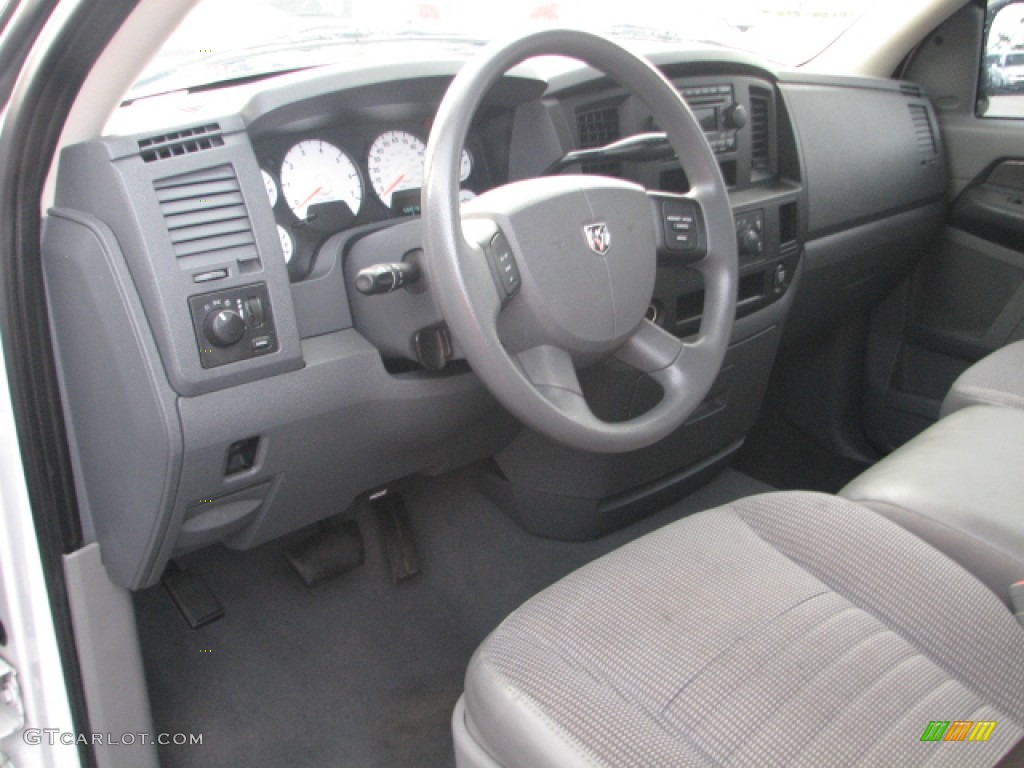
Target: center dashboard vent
(205, 214)
(924, 133)
(760, 130)
(179, 143)
(595, 128)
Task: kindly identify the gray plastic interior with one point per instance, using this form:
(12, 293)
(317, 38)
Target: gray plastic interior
(342, 408)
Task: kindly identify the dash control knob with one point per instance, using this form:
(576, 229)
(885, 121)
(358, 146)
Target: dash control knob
(736, 117)
(224, 327)
(750, 242)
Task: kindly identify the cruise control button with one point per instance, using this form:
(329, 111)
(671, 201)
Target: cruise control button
(504, 262)
(680, 223)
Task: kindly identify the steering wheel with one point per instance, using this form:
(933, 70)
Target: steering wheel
(539, 276)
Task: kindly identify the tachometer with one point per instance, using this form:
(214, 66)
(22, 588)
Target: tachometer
(395, 162)
(316, 171)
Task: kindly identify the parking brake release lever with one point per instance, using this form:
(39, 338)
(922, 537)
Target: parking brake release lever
(385, 278)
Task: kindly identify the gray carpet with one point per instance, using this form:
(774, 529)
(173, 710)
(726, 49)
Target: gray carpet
(358, 671)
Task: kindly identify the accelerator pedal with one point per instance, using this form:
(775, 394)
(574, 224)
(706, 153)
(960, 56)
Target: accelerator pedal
(335, 548)
(396, 532)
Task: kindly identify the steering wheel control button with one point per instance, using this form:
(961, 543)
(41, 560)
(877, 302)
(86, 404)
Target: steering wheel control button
(681, 225)
(503, 262)
(233, 325)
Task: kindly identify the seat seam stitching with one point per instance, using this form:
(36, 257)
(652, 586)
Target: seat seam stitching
(690, 680)
(667, 726)
(814, 678)
(799, 563)
(915, 654)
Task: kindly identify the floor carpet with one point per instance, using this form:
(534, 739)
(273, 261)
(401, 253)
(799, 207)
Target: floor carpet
(358, 671)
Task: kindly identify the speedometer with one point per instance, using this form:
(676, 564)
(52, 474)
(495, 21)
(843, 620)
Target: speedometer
(395, 162)
(315, 172)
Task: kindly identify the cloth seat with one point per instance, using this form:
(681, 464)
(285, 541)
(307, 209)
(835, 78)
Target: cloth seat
(996, 379)
(783, 629)
(959, 485)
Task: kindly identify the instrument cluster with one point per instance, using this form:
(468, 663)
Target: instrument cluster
(321, 184)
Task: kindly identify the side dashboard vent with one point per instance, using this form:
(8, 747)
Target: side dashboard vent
(179, 143)
(760, 130)
(206, 214)
(924, 134)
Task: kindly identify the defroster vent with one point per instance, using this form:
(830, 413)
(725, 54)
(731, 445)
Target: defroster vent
(206, 214)
(182, 142)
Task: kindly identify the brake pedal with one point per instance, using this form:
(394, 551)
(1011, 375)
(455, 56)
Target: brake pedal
(334, 549)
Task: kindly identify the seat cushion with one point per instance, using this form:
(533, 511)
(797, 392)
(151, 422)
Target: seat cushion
(960, 486)
(996, 379)
(785, 629)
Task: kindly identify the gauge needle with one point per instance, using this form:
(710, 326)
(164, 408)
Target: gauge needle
(393, 184)
(316, 192)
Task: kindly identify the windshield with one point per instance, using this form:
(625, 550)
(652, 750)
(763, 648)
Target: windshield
(224, 40)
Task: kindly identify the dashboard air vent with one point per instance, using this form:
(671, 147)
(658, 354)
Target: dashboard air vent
(597, 127)
(911, 90)
(206, 214)
(182, 142)
(760, 130)
(924, 134)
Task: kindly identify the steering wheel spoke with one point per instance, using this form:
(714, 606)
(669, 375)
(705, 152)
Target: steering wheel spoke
(549, 367)
(650, 349)
(551, 371)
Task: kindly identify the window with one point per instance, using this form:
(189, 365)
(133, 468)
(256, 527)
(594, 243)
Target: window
(1001, 90)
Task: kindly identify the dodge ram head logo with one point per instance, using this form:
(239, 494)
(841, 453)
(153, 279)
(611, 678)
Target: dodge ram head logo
(598, 237)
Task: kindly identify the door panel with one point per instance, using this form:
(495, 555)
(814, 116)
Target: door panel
(993, 208)
(965, 298)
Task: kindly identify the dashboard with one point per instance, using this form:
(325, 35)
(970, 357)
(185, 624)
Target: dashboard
(202, 269)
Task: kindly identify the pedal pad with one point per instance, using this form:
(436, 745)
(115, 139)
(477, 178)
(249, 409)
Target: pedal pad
(397, 534)
(334, 549)
(192, 597)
